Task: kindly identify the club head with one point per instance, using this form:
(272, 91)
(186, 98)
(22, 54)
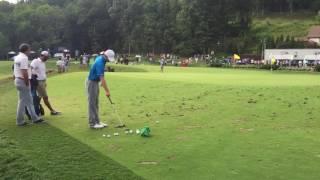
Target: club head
(110, 100)
(121, 126)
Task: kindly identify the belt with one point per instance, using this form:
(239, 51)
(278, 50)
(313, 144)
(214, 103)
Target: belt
(96, 81)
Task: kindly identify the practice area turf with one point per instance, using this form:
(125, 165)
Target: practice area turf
(206, 124)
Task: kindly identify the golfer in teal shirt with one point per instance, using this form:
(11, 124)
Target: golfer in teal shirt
(96, 76)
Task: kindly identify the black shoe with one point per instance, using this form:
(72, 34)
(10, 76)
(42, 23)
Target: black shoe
(55, 113)
(23, 124)
(41, 110)
(38, 121)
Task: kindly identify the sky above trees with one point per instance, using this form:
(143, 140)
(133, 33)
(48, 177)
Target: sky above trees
(12, 1)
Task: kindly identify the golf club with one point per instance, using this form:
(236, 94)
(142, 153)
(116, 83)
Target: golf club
(122, 125)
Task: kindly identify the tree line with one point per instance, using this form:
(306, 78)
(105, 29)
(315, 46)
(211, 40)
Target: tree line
(183, 27)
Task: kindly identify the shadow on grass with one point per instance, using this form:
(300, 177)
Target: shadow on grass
(124, 68)
(45, 152)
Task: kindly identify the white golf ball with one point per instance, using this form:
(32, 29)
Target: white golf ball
(116, 134)
(157, 122)
(131, 131)
(138, 131)
(104, 135)
(109, 136)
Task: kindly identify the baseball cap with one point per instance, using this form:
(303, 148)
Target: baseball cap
(45, 53)
(110, 54)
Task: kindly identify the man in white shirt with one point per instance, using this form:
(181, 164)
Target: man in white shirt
(162, 64)
(22, 76)
(60, 65)
(38, 67)
(66, 60)
(85, 59)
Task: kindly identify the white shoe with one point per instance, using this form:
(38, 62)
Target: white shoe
(97, 126)
(103, 124)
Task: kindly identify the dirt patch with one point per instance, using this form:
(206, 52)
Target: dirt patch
(165, 114)
(181, 138)
(172, 157)
(148, 163)
(240, 121)
(252, 101)
(190, 127)
(244, 130)
(114, 148)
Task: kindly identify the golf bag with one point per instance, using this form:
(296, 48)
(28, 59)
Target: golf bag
(36, 99)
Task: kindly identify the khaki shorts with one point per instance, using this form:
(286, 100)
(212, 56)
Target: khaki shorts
(42, 89)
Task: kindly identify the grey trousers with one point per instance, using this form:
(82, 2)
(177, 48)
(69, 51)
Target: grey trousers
(93, 102)
(25, 101)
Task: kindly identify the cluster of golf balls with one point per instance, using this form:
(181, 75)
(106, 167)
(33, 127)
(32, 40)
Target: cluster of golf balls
(108, 136)
(127, 132)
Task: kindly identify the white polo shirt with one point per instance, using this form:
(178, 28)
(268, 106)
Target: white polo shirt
(21, 62)
(60, 63)
(38, 67)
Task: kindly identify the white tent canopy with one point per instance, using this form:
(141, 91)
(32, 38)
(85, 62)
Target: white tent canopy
(292, 54)
(312, 57)
(282, 57)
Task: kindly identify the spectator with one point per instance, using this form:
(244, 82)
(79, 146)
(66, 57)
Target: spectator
(60, 66)
(38, 67)
(162, 64)
(22, 76)
(66, 60)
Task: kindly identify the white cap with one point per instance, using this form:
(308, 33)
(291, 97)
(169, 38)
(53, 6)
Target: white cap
(45, 53)
(110, 54)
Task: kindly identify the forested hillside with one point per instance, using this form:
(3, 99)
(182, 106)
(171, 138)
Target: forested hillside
(184, 27)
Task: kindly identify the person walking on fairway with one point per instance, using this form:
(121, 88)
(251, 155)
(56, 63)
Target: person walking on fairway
(22, 74)
(66, 60)
(38, 67)
(162, 64)
(96, 76)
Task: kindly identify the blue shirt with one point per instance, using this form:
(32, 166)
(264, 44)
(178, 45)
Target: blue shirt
(97, 69)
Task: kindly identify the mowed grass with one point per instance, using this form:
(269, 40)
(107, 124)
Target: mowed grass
(212, 123)
(45, 152)
(6, 70)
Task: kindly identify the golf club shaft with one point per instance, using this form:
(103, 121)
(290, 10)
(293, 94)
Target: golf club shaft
(117, 114)
(115, 110)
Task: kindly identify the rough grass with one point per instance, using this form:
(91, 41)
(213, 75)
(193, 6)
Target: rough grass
(296, 25)
(12, 159)
(212, 124)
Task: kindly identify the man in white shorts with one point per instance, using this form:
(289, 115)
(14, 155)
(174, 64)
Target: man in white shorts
(38, 67)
